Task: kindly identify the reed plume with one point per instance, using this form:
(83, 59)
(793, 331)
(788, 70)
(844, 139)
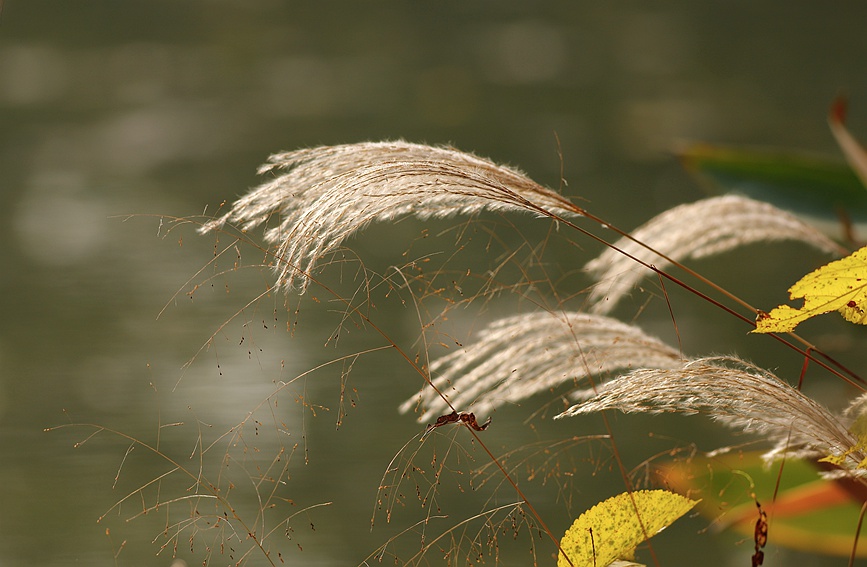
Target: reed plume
(518, 356)
(695, 230)
(323, 195)
(739, 395)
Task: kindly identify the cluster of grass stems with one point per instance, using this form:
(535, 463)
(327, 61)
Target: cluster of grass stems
(563, 344)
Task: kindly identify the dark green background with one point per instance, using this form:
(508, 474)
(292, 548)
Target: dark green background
(117, 108)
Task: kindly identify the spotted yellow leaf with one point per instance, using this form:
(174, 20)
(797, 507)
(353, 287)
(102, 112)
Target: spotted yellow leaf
(838, 286)
(859, 430)
(611, 530)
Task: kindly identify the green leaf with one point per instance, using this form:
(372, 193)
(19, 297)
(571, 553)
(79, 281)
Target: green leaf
(838, 286)
(612, 529)
(821, 190)
(810, 513)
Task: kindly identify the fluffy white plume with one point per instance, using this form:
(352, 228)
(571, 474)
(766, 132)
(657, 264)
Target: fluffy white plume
(518, 356)
(738, 394)
(695, 230)
(323, 195)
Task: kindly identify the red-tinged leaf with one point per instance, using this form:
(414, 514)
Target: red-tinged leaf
(809, 514)
(854, 152)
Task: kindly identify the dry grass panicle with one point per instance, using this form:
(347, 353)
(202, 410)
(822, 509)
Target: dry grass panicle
(518, 356)
(695, 230)
(323, 195)
(736, 393)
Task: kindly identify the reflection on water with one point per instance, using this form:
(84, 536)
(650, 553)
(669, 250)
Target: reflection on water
(165, 108)
(62, 202)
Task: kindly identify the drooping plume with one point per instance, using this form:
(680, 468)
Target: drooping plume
(695, 230)
(323, 195)
(518, 356)
(738, 394)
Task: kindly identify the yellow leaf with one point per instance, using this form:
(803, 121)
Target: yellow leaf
(611, 530)
(838, 286)
(859, 430)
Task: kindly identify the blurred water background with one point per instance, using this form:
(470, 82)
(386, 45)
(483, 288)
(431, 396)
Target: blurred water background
(117, 116)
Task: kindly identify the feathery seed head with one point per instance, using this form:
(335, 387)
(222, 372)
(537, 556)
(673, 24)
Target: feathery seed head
(695, 230)
(323, 195)
(737, 394)
(518, 356)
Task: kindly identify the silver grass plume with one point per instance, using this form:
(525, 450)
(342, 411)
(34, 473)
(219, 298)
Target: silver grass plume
(738, 394)
(323, 195)
(695, 230)
(857, 408)
(518, 356)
